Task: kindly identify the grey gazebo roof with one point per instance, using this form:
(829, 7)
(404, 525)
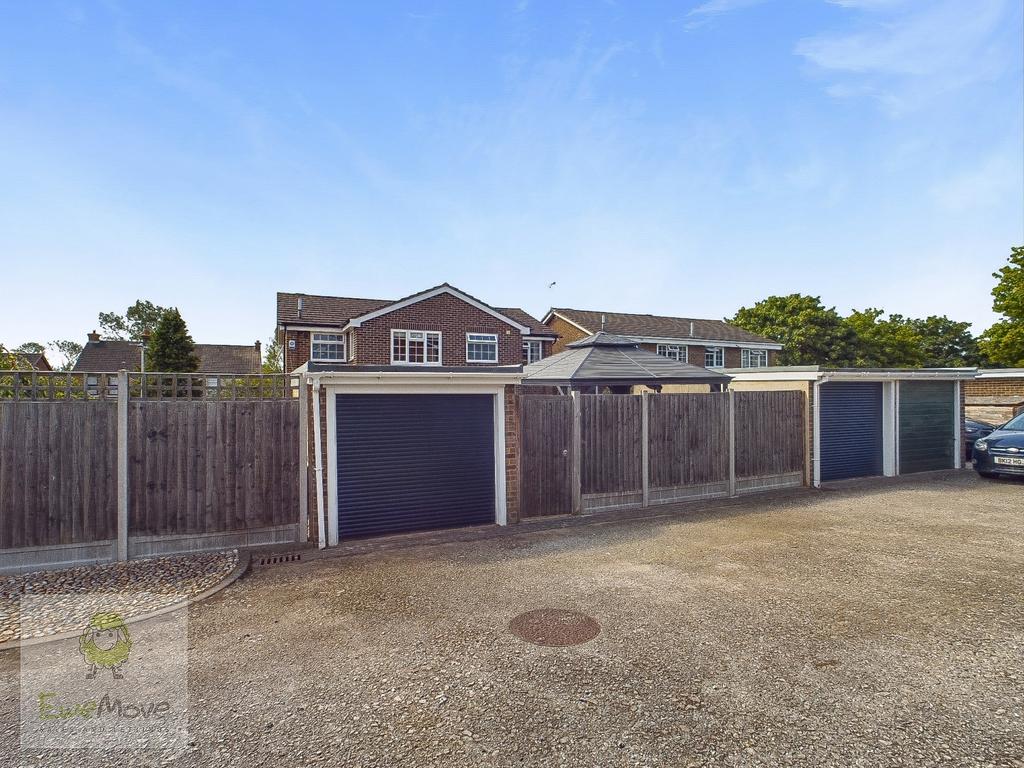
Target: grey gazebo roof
(608, 360)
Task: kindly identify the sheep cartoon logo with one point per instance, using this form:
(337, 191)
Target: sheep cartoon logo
(105, 644)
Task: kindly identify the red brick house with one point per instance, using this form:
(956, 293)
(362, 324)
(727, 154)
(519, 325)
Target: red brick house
(441, 326)
(707, 343)
(411, 407)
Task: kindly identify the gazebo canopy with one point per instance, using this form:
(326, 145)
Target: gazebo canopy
(606, 360)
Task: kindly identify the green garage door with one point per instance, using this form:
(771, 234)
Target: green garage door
(926, 425)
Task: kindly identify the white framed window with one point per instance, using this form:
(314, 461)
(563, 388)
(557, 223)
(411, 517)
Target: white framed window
(481, 347)
(327, 348)
(416, 347)
(532, 351)
(674, 351)
(714, 357)
(754, 358)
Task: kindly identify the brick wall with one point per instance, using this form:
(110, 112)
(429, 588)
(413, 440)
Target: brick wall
(448, 314)
(293, 358)
(512, 398)
(567, 331)
(733, 355)
(1002, 387)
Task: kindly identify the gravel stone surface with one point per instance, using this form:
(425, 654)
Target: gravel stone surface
(878, 623)
(115, 587)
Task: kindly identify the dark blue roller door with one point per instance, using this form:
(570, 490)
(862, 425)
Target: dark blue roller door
(850, 426)
(414, 462)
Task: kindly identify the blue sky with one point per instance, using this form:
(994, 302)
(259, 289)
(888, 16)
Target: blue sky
(679, 158)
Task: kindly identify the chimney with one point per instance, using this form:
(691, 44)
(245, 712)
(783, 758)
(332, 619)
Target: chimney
(603, 321)
(691, 329)
(298, 310)
(94, 336)
(259, 351)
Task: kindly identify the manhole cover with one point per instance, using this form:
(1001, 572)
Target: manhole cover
(554, 626)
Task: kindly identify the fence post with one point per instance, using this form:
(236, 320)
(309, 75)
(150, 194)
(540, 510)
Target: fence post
(732, 442)
(645, 446)
(122, 464)
(303, 532)
(577, 445)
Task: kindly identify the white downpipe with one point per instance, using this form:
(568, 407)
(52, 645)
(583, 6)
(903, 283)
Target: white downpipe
(318, 459)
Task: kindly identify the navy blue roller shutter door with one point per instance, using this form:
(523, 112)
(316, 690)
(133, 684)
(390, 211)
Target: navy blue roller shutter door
(850, 424)
(414, 462)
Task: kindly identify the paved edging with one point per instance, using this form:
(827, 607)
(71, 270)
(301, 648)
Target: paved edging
(244, 559)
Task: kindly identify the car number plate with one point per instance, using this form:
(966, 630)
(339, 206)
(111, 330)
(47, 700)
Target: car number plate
(1009, 460)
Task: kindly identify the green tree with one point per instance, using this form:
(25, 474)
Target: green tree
(1003, 343)
(810, 333)
(885, 342)
(30, 348)
(140, 318)
(273, 358)
(171, 349)
(947, 343)
(8, 361)
(68, 351)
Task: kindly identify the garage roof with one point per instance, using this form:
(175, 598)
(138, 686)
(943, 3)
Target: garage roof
(608, 360)
(817, 372)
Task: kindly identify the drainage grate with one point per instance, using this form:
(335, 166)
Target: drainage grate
(278, 559)
(554, 626)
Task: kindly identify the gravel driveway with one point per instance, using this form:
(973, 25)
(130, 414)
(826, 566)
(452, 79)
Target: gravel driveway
(876, 624)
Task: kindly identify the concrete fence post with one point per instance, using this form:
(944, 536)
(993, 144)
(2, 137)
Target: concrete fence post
(302, 534)
(122, 465)
(645, 446)
(732, 442)
(577, 447)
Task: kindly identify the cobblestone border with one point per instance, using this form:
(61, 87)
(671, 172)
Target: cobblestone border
(244, 559)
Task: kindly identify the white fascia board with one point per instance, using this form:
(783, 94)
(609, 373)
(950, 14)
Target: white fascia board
(756, 375)
(355, 322)
(560, 316)
(312, 328)
(681, 341)
(947, 375)
(1001, 373)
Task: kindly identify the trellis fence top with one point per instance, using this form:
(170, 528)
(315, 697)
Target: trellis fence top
(103, 385)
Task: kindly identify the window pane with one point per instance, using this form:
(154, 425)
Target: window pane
(327, 346)
(433, 348)
(398, 347)
(532, 351)
(416, 350)
(481, 347)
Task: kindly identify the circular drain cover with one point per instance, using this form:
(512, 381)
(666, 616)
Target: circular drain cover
(554, 626)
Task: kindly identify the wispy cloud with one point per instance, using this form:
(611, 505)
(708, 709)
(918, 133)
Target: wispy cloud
(906, 53)
(706, 11)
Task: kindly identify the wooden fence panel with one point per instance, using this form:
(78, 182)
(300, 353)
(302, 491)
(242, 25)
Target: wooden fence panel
(610, 432)
(770, 434)
(58, 472)
(545, 464)
(212, 467)
(688, 438)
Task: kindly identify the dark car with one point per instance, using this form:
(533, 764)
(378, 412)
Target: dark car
(974, 430)
(1002, 452)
